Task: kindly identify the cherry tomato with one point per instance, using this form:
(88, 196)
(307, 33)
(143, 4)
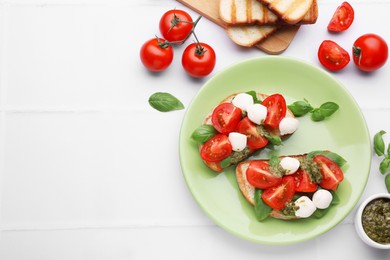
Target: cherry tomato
(342, 18)
(216, 148)
(175, 25)
(225, 117)
(198, 59)
(254, 139)
(331, 173)
(303, 183)
(259, 176)
(370, 52)
(156, 54)
(276, 197)
(332, 56)
(276, 110)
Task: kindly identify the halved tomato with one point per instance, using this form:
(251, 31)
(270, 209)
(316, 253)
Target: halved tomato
(216, 148)
(332, 175)
(332, 56)
(342, 18)
(225, 117)
(258, 175)
(254, 139)
(303, 183)
(276, 197)
(276, 107)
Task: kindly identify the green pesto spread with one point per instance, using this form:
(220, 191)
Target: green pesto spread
(238, 156)
(311, 168)
(376, 220)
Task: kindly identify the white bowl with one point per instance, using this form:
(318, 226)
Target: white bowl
(359, 226)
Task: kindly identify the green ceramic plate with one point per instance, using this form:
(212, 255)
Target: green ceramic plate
(345, 133)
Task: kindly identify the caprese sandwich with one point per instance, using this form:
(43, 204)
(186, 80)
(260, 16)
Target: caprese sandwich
(291, 187)
(241, 124)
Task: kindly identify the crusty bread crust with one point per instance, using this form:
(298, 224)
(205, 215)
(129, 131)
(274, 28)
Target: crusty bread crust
(290, 11)
(250, 35)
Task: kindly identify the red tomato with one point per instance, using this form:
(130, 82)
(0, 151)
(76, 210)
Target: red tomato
(303, 183)
(156, 54)
(276, 110)
(276, 197)
(225, 117)
(258, 175)
(198, 59)
(331, 173)
(342, 18)
(175, 25)
(332, 56)
(216, 148)
(254, 139)
(370, 52)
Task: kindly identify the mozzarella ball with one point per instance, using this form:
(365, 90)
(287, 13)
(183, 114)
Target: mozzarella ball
(290, 164)
(322, 199)
(238, 141)
(306, 207)
(243, 101)
(288, 125)
(257, 113)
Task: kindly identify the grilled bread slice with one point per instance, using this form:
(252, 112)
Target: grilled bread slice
(290, 11)
(239, 12)
(249, 35)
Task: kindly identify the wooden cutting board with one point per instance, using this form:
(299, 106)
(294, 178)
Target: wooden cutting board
(276, 43)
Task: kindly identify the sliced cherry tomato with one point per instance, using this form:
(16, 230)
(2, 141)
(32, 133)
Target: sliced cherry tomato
(276, 107)
(331, 173)
(276, 197)
(175, 25)
(225, 117)
(370, 52)
(254, 139)
(198, 60)
(216, 148)
(156, 54)
(259, 175)
(332, 56)
(303, 183)
(342, 18)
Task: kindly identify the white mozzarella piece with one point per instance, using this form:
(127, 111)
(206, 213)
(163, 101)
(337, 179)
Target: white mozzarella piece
(288, 125)
(290, 164)
(257, 113)
(238, 141)
(243, 101)
(322, 199)
(306, 207)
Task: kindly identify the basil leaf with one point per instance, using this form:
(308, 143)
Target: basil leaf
(262, 210)
(165, 102)
(319, 213)
(203, 133)
(328, 108)
(335, 199)
(226, 162)
(300, 108)
(340, 161)
(384, 165)
(379, 144)
(387, 182)
(274, 139)
(317, 115)
(254, 95)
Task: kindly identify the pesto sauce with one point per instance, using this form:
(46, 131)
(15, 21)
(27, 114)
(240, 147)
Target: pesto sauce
(237, 157)
(311, 168)
(376, 220)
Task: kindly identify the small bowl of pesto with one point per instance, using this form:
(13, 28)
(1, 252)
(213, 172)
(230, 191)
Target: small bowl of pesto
(372, 221)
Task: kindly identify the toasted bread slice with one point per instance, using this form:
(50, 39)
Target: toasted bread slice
(239, 12)
(249, 35)
(290, 11)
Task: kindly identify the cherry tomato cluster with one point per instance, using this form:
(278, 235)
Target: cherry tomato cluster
(176, 26)
(369, 51)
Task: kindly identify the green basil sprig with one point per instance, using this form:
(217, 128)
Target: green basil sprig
(165, 102)
(203, 133)
(380, 150)
(301, 108)
(262, 210)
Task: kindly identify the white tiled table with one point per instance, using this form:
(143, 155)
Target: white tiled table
(77, 179)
